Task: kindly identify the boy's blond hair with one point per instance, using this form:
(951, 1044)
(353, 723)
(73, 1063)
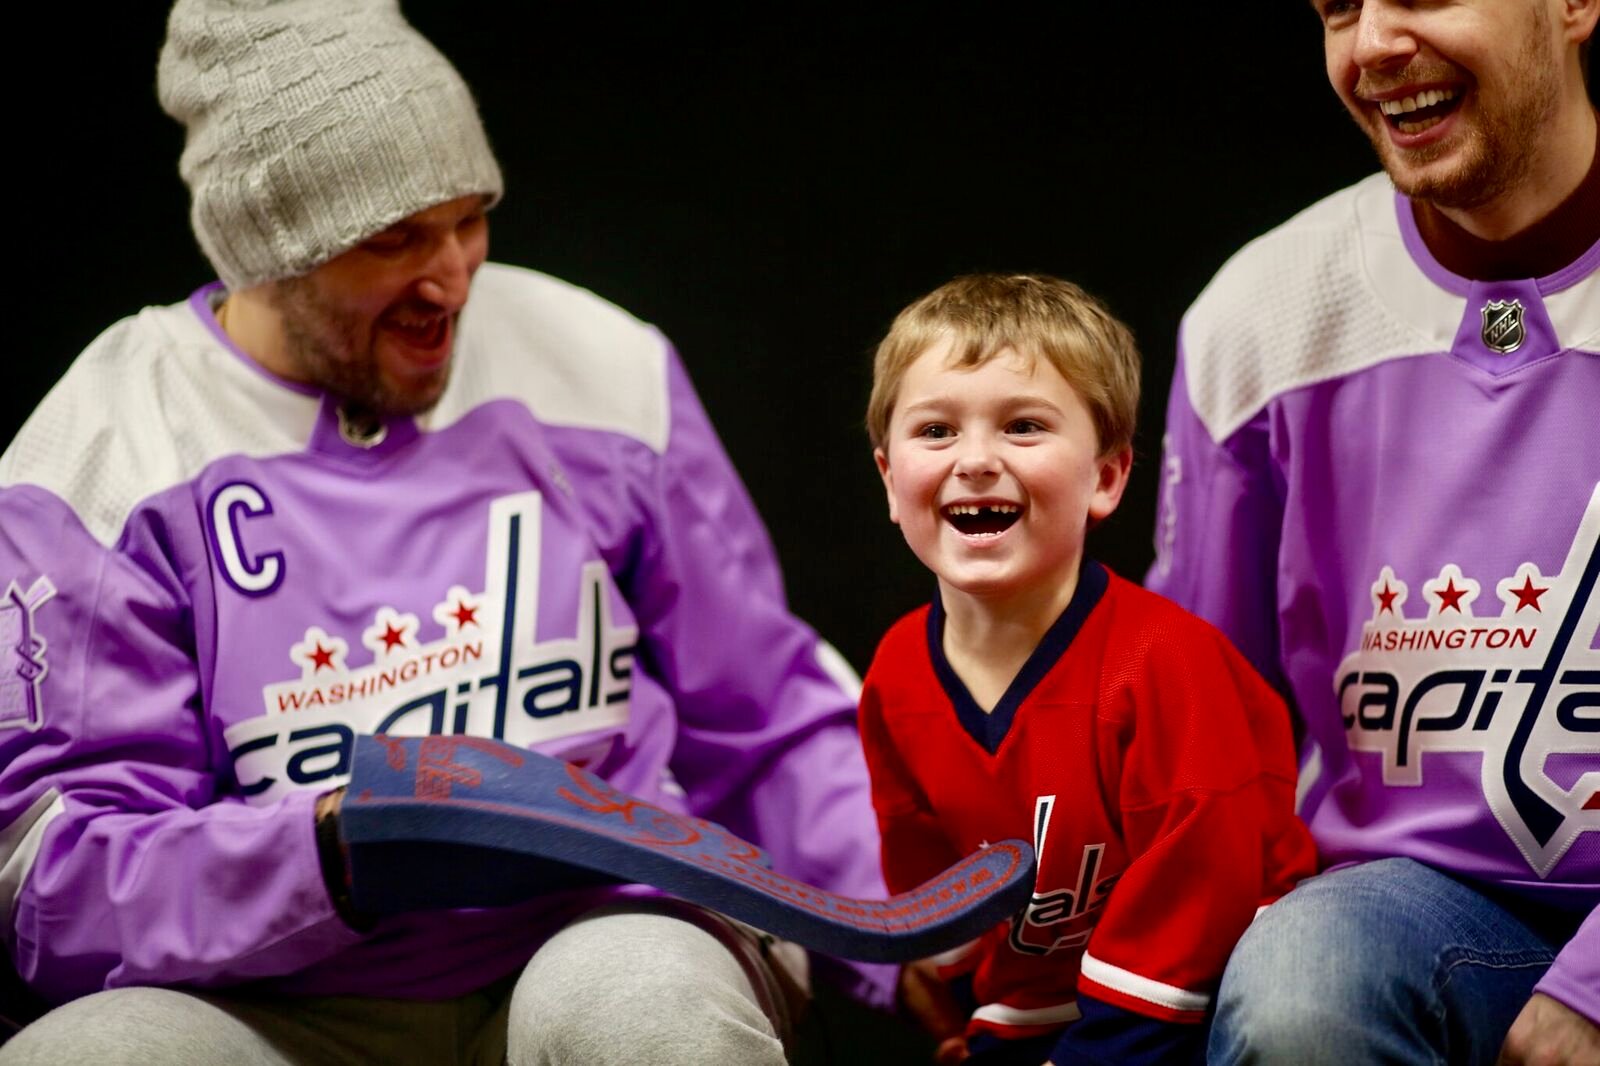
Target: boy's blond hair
(1032, 314)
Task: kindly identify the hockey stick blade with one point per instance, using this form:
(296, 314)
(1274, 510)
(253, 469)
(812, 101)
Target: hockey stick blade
(454, 821)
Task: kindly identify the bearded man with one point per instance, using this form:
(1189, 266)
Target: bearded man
(369, 482)
(1382, 480)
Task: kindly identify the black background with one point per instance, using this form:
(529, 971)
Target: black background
(767, 189)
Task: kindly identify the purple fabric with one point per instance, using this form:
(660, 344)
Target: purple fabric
(565, 589)
(1574, 980)
(1407, 550)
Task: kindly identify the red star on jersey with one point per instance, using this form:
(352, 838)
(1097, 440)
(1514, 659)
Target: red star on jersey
(1386, 598)
(1450, 597)
(1528, 596)
(392, 636)
(322, 657)
(464, 614)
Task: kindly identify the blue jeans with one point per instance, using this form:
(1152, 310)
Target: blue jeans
(1387, 962)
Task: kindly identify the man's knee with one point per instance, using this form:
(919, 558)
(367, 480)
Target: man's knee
(1346, 961)
(136, 1026)
(643, 986)
(1278, 1001)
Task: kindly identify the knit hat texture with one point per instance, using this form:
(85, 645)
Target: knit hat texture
(311, 125)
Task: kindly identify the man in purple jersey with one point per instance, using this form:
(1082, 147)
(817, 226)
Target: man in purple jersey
(1382, 479)
(369, 482)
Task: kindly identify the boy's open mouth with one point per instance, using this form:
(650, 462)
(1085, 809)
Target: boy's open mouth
(982, 519)
(1419, 112)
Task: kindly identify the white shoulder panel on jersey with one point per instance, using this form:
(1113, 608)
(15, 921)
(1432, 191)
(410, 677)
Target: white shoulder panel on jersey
(147, 406)
(1328, 293)
(573, 358)
(1575, 313)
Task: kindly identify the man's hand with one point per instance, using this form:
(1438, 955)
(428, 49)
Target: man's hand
(335, 859)
(924, 995)
(328, 804)
(1550, 1033)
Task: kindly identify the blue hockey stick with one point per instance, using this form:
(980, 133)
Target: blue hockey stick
(454, 821)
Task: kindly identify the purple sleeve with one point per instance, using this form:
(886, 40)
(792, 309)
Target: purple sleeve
(767, 741)
(1219, 515)
(122, 864)
(1574, 978)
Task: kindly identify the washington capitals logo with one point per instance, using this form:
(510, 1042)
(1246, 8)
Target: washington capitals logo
(1503, 331)
(22, 662)
(1522, 687)
(1055, 917)
(482, 669)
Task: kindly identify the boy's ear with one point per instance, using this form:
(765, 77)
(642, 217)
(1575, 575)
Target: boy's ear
(1112, 480)
(881, 457)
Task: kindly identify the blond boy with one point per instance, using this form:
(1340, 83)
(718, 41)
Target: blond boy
(1041, 696)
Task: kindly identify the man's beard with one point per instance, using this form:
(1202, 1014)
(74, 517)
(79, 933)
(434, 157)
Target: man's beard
(1500, 147)
(334, 350)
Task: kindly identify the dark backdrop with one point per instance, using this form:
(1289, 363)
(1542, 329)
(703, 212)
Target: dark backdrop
(769, 190)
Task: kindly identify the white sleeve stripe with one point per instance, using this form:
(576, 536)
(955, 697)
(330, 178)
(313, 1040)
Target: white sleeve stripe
(1310, 774)
(1151, 991)
(838, 669)
(1001, 1014)
(19, 846)
(1572, 313)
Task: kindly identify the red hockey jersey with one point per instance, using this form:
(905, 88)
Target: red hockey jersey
(1148, 763)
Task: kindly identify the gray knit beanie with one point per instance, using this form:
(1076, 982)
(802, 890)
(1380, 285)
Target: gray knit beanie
(312, 125)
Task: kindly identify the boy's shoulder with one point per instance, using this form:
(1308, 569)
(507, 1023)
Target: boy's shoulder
(1144, 628)
(907, 637)
(1138, 608)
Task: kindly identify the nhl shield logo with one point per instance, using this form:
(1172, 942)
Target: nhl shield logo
(1502, 326)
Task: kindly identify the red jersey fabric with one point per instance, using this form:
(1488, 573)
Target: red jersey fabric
(1148, 763)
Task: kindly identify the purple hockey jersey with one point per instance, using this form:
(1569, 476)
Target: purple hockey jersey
(211, 586)
(1382, 480)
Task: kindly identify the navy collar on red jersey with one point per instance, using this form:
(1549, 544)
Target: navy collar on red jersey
(991, 728)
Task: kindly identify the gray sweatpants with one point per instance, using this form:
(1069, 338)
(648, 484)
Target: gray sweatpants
(652, 983)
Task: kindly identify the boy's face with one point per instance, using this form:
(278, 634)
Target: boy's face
(993, 473)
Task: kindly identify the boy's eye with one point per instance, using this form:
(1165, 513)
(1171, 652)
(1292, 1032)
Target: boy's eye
(1025, 425)
(935, 431)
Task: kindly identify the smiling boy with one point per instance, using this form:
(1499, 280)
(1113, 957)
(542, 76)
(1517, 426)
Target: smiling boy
(1041, 696)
